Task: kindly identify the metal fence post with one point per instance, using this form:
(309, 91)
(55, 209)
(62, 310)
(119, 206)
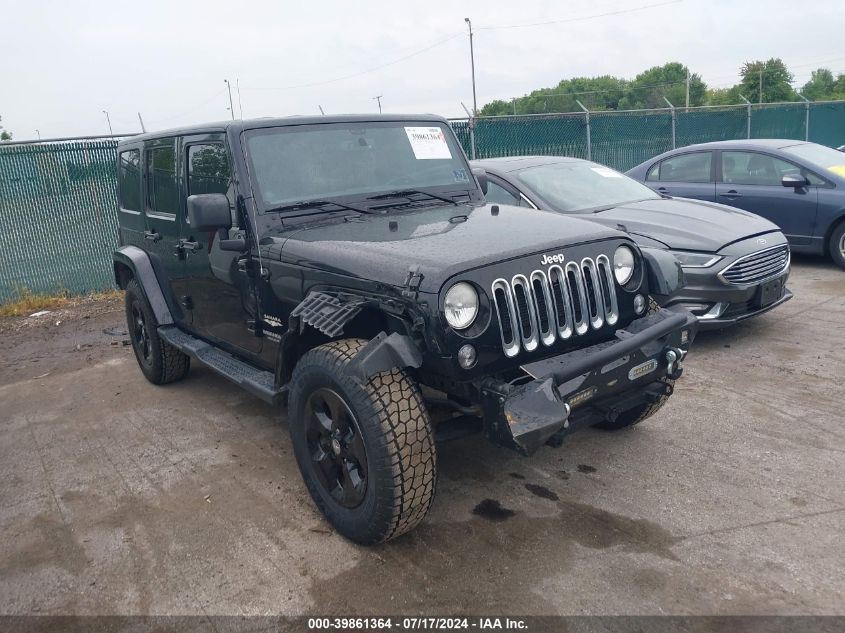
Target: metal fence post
(806, 116)
(673, 120)
(748, 123)
(471, 120)
(587, 121)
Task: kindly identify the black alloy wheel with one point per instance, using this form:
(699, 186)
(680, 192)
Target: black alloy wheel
(336, 447)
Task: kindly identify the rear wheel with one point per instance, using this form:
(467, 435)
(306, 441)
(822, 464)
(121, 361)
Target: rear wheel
(643, 411)
(159, 361)
(837, 245)
(365, 451)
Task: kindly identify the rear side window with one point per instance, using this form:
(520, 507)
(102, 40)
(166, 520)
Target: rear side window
(162, 189)
(693, 167)
(129, 180)
(208, 169)
(751, 168)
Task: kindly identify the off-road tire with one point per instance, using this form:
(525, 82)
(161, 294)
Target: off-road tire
(397, 434)
(836, 245)
(643, 411)
(163, 363)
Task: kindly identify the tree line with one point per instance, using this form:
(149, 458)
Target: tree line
(760, 82)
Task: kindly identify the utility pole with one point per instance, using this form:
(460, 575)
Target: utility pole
(231, 105)
(108, 120)
(761, 85)
(141, 121)
(687, 107)
(240, 105)
(472, 64)
(378, 98)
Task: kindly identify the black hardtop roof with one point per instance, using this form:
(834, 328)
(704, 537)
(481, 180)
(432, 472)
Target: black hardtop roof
(251, 124)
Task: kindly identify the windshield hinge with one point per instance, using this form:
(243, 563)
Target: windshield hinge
(412, 282)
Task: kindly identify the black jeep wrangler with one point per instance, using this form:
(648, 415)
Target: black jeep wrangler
(350, 267)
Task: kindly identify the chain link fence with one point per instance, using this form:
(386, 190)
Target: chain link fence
(58, 217)
(58, 203)
(623, 139)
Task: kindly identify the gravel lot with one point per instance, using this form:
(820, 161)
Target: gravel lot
(118, 497)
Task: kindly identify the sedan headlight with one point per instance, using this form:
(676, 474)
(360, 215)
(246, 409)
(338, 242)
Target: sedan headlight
(623, 265)
(461, 305)
(696, 260)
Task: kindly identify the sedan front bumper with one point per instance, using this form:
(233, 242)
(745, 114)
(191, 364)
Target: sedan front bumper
(583, 387)
(718, 305)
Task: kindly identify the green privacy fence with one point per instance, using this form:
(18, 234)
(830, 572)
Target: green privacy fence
(58, 218)
(626, 138)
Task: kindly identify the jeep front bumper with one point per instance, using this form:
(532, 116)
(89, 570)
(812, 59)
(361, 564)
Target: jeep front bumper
(578, 389)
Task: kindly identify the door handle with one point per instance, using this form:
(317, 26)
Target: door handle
(663, 190)
(153, 236)
(187, 246)
(731, 194)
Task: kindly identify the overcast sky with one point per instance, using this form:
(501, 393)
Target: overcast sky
(63, 63)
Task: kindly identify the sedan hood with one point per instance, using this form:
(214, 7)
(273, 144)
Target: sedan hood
(683, 224)
(441, 241)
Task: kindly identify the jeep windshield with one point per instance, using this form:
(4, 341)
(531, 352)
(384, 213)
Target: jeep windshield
(363, 164)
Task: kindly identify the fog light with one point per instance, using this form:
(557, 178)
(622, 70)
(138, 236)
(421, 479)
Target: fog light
(685, 336)
(639, 304)
(467, 356)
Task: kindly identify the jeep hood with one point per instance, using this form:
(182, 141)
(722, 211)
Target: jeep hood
(442, 241)
(690, 225)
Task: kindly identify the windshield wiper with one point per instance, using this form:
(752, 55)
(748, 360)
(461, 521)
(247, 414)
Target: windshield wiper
(303, 205)
(407, 193)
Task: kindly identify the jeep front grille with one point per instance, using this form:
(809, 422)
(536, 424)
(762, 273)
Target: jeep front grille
(758, 266)
(552, 305)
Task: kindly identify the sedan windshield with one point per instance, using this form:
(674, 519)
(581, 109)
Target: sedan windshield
(583, 187)
(820, 156)
(298, 163)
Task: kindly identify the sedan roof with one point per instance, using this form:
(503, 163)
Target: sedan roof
(743, 143)
(508, 164)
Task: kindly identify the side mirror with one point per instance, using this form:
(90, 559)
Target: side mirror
(794, 181)
(209, 212)
(481, 177)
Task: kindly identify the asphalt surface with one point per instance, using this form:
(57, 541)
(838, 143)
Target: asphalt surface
(118, 497)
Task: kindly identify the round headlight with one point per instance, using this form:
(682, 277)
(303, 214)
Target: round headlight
(623, 265)
(461, 305)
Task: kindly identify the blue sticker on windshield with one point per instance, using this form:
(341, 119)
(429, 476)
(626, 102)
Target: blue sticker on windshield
(460, 175)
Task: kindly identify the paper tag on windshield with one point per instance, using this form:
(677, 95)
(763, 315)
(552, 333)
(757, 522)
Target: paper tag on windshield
(428, 143)
(607, 173)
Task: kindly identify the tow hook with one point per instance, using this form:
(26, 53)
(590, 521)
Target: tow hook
(674, 368)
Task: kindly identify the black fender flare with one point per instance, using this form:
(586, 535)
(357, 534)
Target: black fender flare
(139, 263)
(383, 353)
(663, 271)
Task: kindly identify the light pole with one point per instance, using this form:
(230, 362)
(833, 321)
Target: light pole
(378, 98)
(231, 106)
(472, 63)
(108, 120)
(38, 132)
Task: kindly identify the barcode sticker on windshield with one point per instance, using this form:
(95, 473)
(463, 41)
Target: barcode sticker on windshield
(428, 143)
(607, 173)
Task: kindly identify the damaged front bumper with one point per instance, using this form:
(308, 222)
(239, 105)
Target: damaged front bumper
(578, 389)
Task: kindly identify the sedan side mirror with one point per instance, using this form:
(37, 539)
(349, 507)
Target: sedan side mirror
(481, 177)
(209, 212)
(794, 181)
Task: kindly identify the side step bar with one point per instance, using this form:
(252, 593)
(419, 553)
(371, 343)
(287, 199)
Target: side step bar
(258, 382)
